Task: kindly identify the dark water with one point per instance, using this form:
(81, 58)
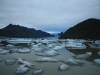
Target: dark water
(51, 68)
(83, 51)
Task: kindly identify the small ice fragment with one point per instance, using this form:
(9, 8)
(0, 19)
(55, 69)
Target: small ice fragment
(48, 53)
(64, 67)
(46, 59)
(74, 62)
(24, 51)
(4, 52)
(22, 69)
(83, 56)
(97, 62)
(57, 48)
(10, 62)
(26, 63)
(38, 72)
(13, 50)
(9, 45)
(99, 53)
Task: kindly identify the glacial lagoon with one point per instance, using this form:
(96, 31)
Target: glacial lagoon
(49, 68)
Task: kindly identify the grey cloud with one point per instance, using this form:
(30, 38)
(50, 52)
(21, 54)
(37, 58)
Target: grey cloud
(48, 15)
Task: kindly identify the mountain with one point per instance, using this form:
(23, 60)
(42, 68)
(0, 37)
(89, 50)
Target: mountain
(88, 29)
(17, 31)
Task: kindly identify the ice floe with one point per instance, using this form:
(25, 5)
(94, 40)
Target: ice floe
(9, 45)
(95, 46)
(63, 67)
(74, 62)
(57, 48)
(38, 72)
(25, 50)
(51, 45)
(48, 53)
(21, 69)
(4, 52)
(99, 53)
(26, 63)
(97, 62)
(83, 56)
(46, 59)
(38, 49)
(10, 62)
(72, 45)
(13, 50)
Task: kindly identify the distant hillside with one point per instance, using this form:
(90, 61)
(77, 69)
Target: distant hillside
(88, 29)
(17, 31)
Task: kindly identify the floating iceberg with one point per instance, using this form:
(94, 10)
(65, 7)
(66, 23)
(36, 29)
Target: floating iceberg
(24, 50)
(48, 53)
(19, 41)
(10, 62)
(74, 62)
(63, 67)
(97, 62)
(83, 56)
(99, 53)
(57, 48)
(13, 50)
(45, 41)
(46, 59)
(51, 45)
(38, 72)
(25, 63)
(22, 69)
(4, 52)
(94, 46)
(36, 45)
(73, 45)
(38, 49)
(9, 45)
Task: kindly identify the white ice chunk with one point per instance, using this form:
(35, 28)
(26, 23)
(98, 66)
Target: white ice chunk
(38, 72)
(26, 63)
(48, 53)
(9, 45)
(10, 62)
(38, 49)
(24, 50)
(57, 48)
(73, 45)
(97, 62)
(95, 46)
(64, 67)
(22, 69)
(4, 52)
(99, 53)
(74, 62)
(13, 50)
(51, 45)
(83, 56)
(46, 59)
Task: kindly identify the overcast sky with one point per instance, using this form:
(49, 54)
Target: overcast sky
(47, 15)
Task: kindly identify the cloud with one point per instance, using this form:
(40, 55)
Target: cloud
(48, 15)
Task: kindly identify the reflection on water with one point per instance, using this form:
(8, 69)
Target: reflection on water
(83, 51)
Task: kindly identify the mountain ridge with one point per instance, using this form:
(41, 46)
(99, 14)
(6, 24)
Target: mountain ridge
(87, 29)
(17, 31)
